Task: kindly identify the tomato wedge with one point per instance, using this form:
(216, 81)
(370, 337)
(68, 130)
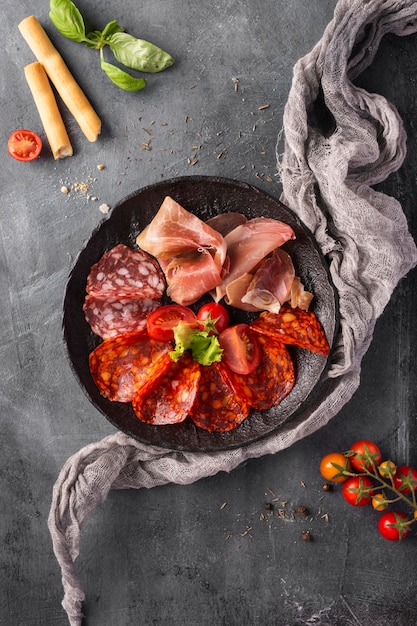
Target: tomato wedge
(242, 352)
(24, 145)
(160, 323)
(216, 313)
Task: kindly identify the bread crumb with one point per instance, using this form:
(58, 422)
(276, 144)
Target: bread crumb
(64, 190)
(101, 166)
(104, 208)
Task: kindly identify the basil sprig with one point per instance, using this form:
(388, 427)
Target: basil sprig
(136, 54)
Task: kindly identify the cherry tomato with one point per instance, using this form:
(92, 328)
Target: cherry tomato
(24, 145)
(364, 454)
(332, 466)
(216, 313)
(393, 525)
(357, 490)
(387, 469)
(242, 352)
(405, 479)
(160, 323)
(379, 502)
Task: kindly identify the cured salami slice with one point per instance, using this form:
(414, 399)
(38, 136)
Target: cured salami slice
(217, 407)
(169, 399)
(272, 380)
(122, 366)
(126, 273)
(110, 317)
(294, 326)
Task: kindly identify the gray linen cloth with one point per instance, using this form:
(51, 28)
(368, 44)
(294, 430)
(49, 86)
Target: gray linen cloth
(327, 170)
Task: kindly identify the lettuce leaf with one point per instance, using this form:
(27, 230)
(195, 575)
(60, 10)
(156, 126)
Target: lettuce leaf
(205, 348)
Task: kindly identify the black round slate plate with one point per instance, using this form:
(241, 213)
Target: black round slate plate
(205, 197)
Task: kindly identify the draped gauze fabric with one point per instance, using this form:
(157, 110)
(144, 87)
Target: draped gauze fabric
(337, 141)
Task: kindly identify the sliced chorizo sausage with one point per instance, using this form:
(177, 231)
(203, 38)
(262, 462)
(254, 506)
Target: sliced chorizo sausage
(272, 380)
(294, 326)
(217, 407)
(169, 399)
(121, 366)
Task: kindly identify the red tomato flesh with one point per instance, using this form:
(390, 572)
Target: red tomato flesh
(215, 312)
(242, 352)
(161, 322)
(24, 145)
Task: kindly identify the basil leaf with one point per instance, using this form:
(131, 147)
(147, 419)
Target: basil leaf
(111, 28)
(139, 54)
(66, 18)
(95, 40)
(121, 78)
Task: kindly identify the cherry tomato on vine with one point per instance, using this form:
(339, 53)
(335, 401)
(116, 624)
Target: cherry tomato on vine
(405, 479)
(387, 469)
(215, 312)
(357, 490)
(379, 502)
(242, 352)
(332, 466)
(160, 323)
(364, 453)
(24, 145)
(393, 525)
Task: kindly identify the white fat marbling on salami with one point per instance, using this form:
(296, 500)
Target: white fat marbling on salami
(110, 317)
(123, 272)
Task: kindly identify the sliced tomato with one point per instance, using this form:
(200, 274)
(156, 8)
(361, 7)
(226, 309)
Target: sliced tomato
(215, 313)
(24, 145)
(242, 351)
(160, 323)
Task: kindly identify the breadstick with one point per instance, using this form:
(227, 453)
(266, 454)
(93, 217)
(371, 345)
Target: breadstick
(48, 110)
(59, 74)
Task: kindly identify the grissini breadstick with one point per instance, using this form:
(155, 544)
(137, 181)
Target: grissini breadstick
(59, 74)
(48, 110)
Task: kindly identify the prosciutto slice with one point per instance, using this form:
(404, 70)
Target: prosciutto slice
(249, 243)
(184, 246)
(271, 283)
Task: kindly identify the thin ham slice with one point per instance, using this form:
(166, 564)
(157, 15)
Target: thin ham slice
(249, 243)
(271, 283)
(184, 246)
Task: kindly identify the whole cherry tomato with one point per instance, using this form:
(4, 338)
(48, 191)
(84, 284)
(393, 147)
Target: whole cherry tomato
(357, 490)
(393, 525)
(216, 313)
(332, 466)
(161, 321)
(366, 454)
(387, 469)
(379, 502)
(24, 145)
(405, 479)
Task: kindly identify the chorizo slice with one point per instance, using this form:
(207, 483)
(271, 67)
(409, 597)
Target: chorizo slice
(293, 326)
(109, 317)
(123, 272)
(272, 380)
(169, 399)
(121, 366)
(217, 406)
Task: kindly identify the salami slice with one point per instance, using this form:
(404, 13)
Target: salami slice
(169, 399)
(272, 380)
(110, 317)
(120, 367)
(217, 407)
(126, 273)
(294, 326)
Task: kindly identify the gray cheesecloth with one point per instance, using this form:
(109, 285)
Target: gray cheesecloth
(326, 175)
